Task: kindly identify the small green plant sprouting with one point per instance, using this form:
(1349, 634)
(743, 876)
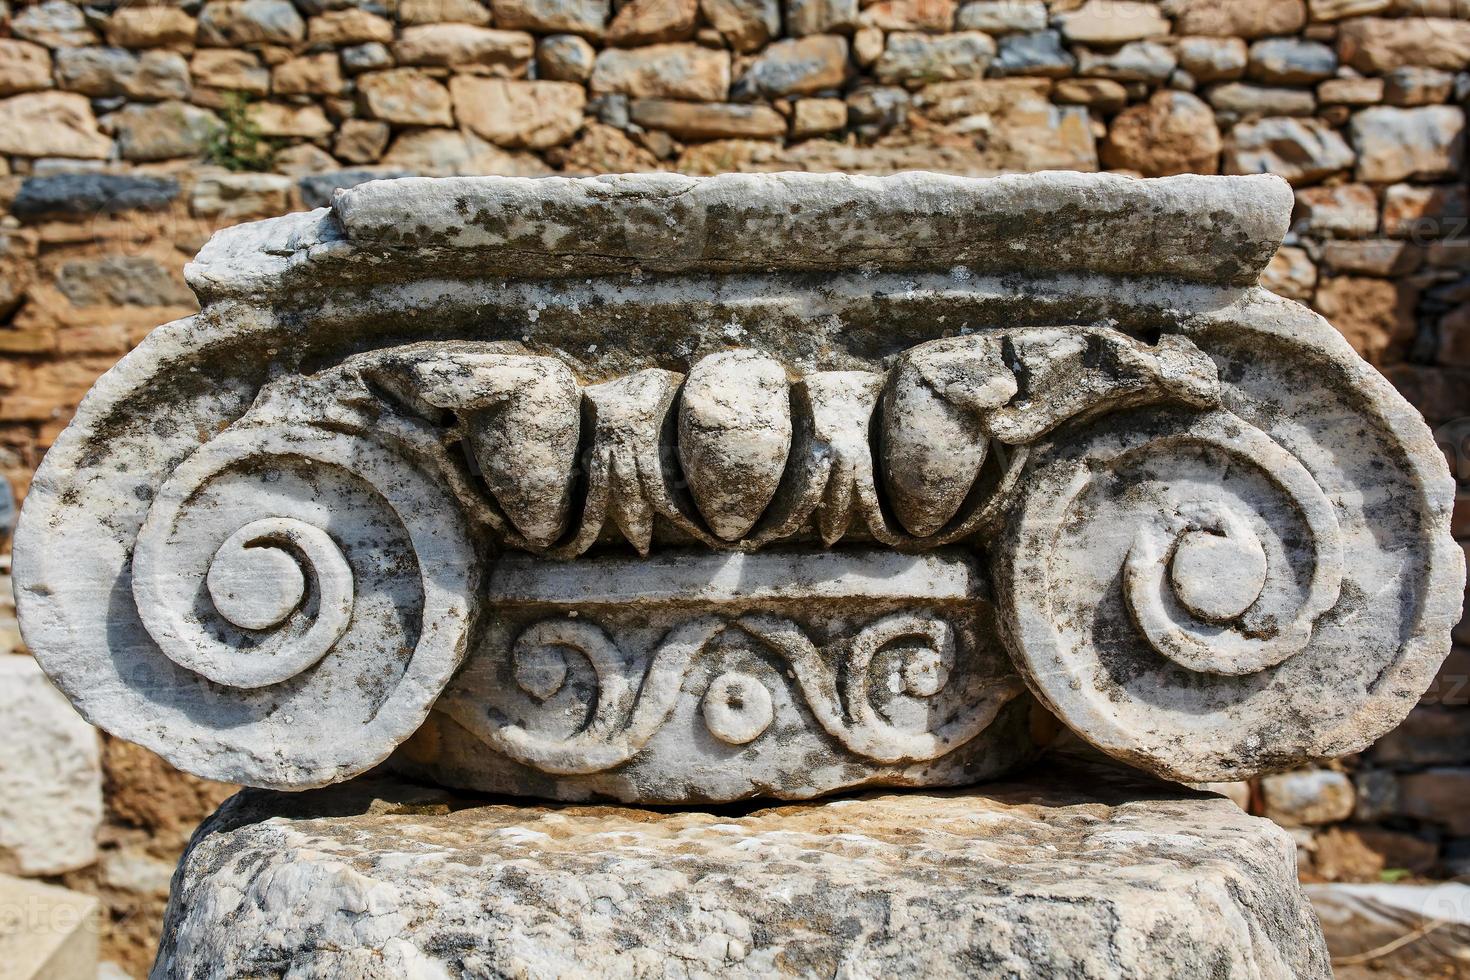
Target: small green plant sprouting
(237, 144)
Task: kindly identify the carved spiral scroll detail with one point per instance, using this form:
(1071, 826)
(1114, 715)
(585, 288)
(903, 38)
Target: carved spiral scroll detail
(623, 718)
(630, 707)
(320, 581)
(256, 582)
(1171, 557)
(1196, 575)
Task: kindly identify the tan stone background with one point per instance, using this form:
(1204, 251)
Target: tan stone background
(129, 131)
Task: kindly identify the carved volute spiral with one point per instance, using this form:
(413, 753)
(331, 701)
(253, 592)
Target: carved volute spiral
(1175, 585)
(283, 565)
(765, 485)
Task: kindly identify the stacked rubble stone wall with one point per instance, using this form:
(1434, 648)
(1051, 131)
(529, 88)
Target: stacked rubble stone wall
(129, 131)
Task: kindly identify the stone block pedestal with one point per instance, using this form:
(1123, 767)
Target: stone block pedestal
(1082, 870)
(46, 932)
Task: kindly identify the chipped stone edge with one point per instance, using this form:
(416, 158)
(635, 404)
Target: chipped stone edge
(668, 223)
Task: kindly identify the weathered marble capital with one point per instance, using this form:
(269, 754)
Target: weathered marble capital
(666, 489)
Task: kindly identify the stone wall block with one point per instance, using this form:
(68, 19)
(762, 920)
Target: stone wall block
(1398, 144)
(565, 58)
(707, 120)
(1021, 127)
(443, 11)
(51, 124)
(352, 25)
(51, 810)
(1239, 18)
(910, 57)
(230, 71)
(1172, 133)
(24, 67)
(123, 280)
(89, 195)
(933, 16)
(151, 27)
(799, 67)
(1302, 150)
(746, 25)
(1375, 257)
(1376, 45)
(1101, 95)
(317, 74)
(1108, 22)
(585, 17)
(1351, 91)
(518, 114)
(231, 197)
(465, 47)
(1437, 796)
(1213, 59)
(669, 71)
(361, 140)
(405, 97)
(1137, 61)
(1375, 316)
(1438, 393)
(53, 23)
(282, 119)
(1454, 350)
(1307, 797)
(805, 17)
(1290, 61)
(229, 23)
(999, 17)
(1413, 85)
(1330, 10)
(1430, 736)
(653, 22)
(816, 117)
(1241, 100)
(1040, 54)
(1291, 274)
(1343, 210)
(103, 72)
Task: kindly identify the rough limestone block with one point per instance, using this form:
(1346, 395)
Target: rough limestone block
(47, 933)
(51, 124)
(668, 490)
(1024, 879)
(52, 773)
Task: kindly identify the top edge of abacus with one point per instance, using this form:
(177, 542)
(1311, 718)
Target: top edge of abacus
(1211, 230)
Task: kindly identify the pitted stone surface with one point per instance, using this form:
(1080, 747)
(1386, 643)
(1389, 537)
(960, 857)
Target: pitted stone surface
(1035, 878)
(1187, 227)
(1289, 643)
(1207, 536)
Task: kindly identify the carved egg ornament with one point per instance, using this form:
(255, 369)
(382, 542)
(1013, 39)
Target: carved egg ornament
(932, 443)
(523, 418)
(734, 437)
